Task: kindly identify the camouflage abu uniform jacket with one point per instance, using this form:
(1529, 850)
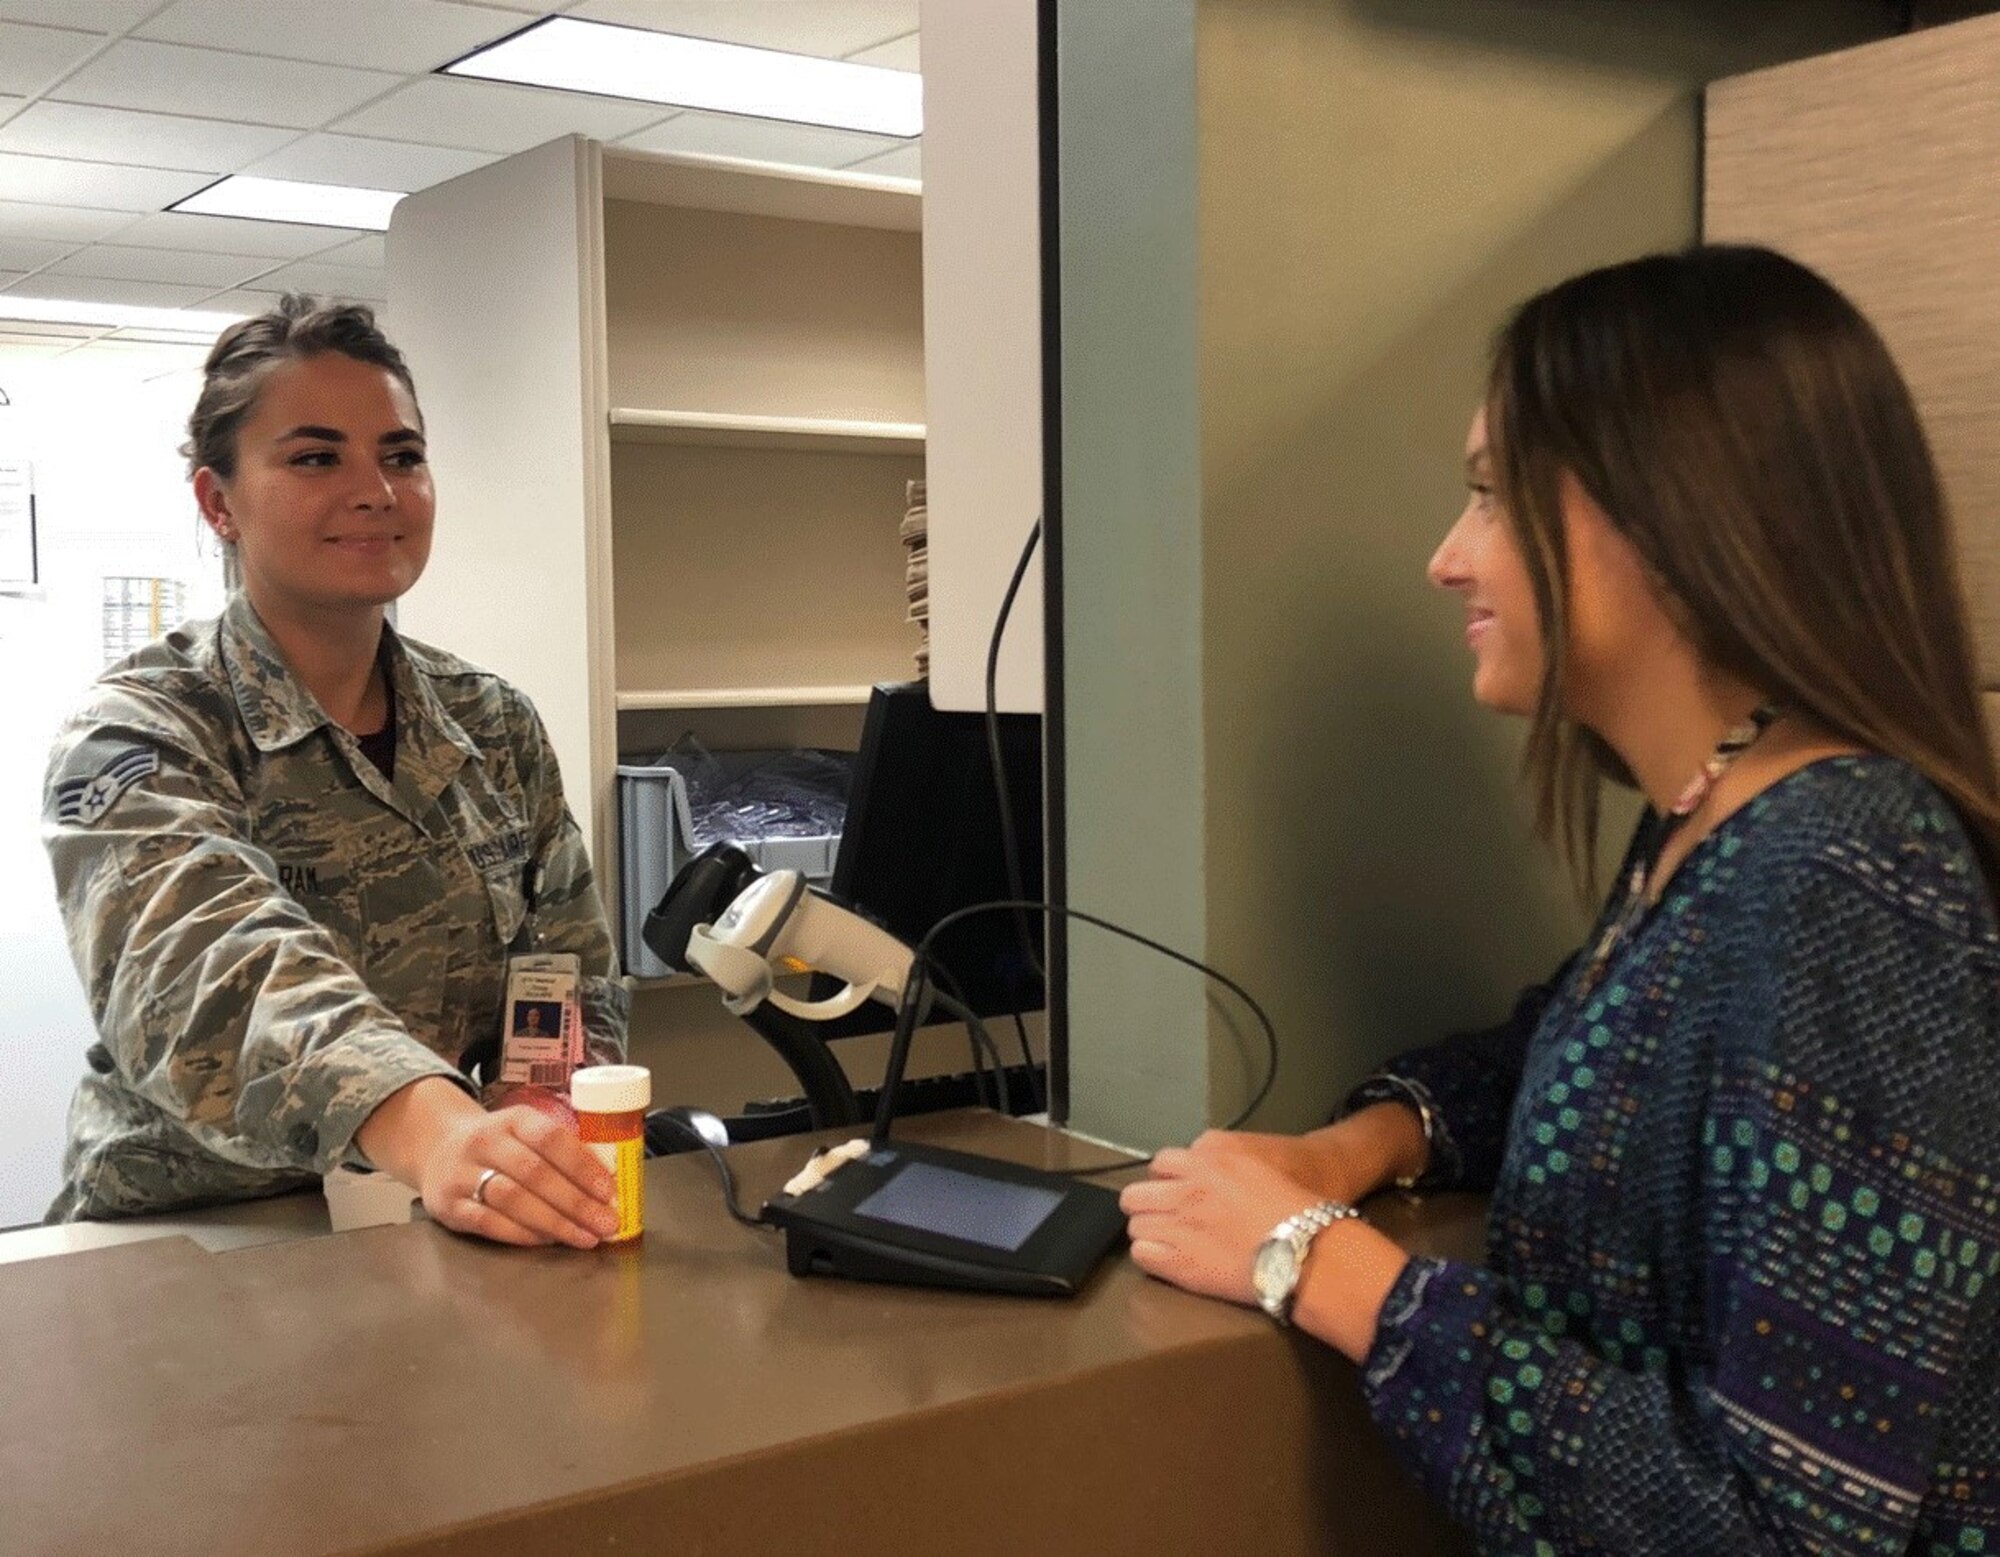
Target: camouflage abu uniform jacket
(273, 937)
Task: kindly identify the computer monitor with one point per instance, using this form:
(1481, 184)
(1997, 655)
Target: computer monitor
(923, 838)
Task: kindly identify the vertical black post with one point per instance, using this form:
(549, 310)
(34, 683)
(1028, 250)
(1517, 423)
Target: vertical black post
(1055, 867)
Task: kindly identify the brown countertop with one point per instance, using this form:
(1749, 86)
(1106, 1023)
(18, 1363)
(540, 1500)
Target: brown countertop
(403, 1389)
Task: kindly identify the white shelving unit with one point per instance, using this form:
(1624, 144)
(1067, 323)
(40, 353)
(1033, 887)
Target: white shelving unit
(674, 405)
(744, 697)
(723, 430)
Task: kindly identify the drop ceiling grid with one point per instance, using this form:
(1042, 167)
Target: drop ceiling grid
(110, 110)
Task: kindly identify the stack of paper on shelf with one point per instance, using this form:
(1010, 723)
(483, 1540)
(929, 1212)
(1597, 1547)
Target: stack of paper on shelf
(915, 533)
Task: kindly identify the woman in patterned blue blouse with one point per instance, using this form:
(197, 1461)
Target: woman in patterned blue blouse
(1744, 1148)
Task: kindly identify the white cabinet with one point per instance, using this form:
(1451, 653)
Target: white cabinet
(673, 406)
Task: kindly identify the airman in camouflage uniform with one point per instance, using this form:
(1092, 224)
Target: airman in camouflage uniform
(274, 937)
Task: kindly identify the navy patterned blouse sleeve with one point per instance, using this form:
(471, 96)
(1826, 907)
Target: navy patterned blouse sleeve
(1783, 1339)
(1465, 1085)
(1465, 1088)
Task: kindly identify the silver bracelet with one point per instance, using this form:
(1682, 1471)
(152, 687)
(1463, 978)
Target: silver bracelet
(1384, 1088)
(1427, 1121)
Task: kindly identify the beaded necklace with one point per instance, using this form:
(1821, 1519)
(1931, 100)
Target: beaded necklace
(1638, 888)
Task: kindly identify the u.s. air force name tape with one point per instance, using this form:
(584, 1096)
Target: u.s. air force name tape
(86, 800)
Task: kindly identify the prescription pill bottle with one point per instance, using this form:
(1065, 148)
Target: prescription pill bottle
(611, 1103)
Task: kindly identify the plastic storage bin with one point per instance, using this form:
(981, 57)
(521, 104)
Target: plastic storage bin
(657, 833)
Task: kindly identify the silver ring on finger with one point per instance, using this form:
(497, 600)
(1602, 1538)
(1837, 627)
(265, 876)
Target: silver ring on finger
(479, 1185)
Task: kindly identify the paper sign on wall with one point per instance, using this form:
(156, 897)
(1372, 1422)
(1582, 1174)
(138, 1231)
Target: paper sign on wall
(19, 564)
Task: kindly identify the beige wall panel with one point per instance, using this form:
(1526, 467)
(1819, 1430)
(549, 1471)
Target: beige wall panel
(759, 567)
(1880, 167)
(1380, 183)
(726, 312)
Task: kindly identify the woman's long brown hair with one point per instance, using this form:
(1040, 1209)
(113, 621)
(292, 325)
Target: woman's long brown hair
(1747, 431)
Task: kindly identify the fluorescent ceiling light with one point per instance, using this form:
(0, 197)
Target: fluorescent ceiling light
(116, 316)
(288, 200)
(657, 67)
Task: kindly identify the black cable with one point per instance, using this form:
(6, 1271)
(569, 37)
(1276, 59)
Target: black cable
(1028, 1061)
(959, 1007)
(1009, 840)
(982, 1041)
(722, 1167)
(913, 994)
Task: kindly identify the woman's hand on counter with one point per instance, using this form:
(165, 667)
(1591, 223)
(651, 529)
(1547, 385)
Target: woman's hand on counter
(1347, 1161)
(545, 1187)
(1200, 1217)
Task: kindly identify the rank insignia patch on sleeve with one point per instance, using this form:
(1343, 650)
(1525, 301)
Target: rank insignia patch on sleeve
(86, 800)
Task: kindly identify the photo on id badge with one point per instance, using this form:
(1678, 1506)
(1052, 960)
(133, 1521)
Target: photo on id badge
(537, 1019)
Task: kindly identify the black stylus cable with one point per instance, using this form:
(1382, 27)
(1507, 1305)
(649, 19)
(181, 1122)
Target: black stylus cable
(722, 1167)
(984, 1047)
(1011, 850)
(984, 1050)
(913, 994)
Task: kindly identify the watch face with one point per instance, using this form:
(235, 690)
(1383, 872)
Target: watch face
(1274, 1271)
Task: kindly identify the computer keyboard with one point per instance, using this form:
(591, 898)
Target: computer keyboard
(769, 1118)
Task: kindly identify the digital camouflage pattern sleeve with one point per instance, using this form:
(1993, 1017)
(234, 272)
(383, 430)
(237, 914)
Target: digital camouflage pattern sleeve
(238, 1049)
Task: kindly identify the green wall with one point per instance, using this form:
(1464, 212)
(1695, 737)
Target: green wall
(1289, 228)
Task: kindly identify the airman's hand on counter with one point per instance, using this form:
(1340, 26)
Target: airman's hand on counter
(544, 1186)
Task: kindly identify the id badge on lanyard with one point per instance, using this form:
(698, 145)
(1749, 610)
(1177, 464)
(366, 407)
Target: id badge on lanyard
(542, 1041)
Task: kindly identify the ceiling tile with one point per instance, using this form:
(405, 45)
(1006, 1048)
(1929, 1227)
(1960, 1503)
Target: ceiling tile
(51, 327)
(401, 35)
(484, 117)
(322, 280)
(9, 277)
(91, 15)
(370, 164)
(829, 28)
(197, 341)
(233, 302)
(60, 181)
(9, 105)
(762, 140)
(136, 357)
(90, 289)
(149, 140)
(26, 254)
(532, 7)
(60, 222)
(901, 54)
(906, 161)
(370, 252)
(183, 267)
(232, 235)
(33, 57)
(167, 78)
(19, 349)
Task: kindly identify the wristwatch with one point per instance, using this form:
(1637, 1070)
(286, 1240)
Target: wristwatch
(1281, 1258)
